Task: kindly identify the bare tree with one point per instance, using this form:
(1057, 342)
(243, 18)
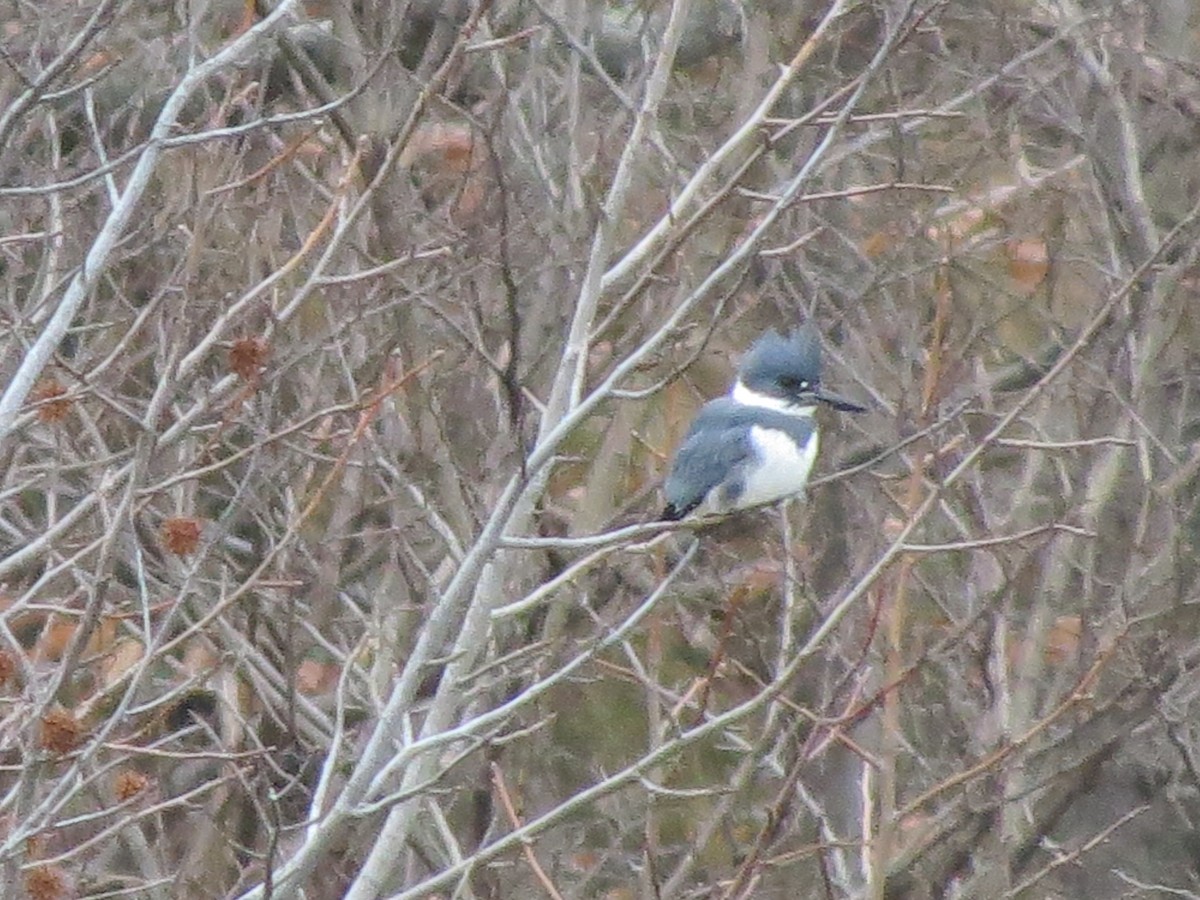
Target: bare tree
(345, 349)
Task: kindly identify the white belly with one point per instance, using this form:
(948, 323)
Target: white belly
(784, 469)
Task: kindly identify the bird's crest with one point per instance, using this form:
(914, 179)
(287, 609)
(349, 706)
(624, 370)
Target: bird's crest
(800, 351)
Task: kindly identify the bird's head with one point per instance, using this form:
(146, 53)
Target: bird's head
(785, 373)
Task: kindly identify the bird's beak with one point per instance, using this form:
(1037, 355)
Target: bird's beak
(838, 403)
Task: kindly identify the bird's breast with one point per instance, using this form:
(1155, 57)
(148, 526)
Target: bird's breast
(782, 466)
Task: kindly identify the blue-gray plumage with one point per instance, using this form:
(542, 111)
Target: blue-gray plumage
(757, 445)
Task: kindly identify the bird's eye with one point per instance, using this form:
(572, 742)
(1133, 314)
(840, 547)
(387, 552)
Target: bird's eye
(794, 385)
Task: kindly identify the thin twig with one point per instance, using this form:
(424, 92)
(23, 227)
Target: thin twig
(515, 820)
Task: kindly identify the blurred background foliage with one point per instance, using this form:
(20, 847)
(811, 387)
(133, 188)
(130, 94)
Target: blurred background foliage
(275, 428)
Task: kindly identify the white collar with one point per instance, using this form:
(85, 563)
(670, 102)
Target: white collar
(749, 397)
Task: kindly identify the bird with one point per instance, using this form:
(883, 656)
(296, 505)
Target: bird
(758, 444)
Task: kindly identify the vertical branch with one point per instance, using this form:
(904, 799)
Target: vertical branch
(656, 736)
(575, 194)
(791, 583)
(896, 613)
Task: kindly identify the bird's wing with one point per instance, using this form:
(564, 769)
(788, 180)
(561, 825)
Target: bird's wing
(713, 449)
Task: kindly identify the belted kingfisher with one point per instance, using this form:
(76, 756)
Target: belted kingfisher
(758, 444)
